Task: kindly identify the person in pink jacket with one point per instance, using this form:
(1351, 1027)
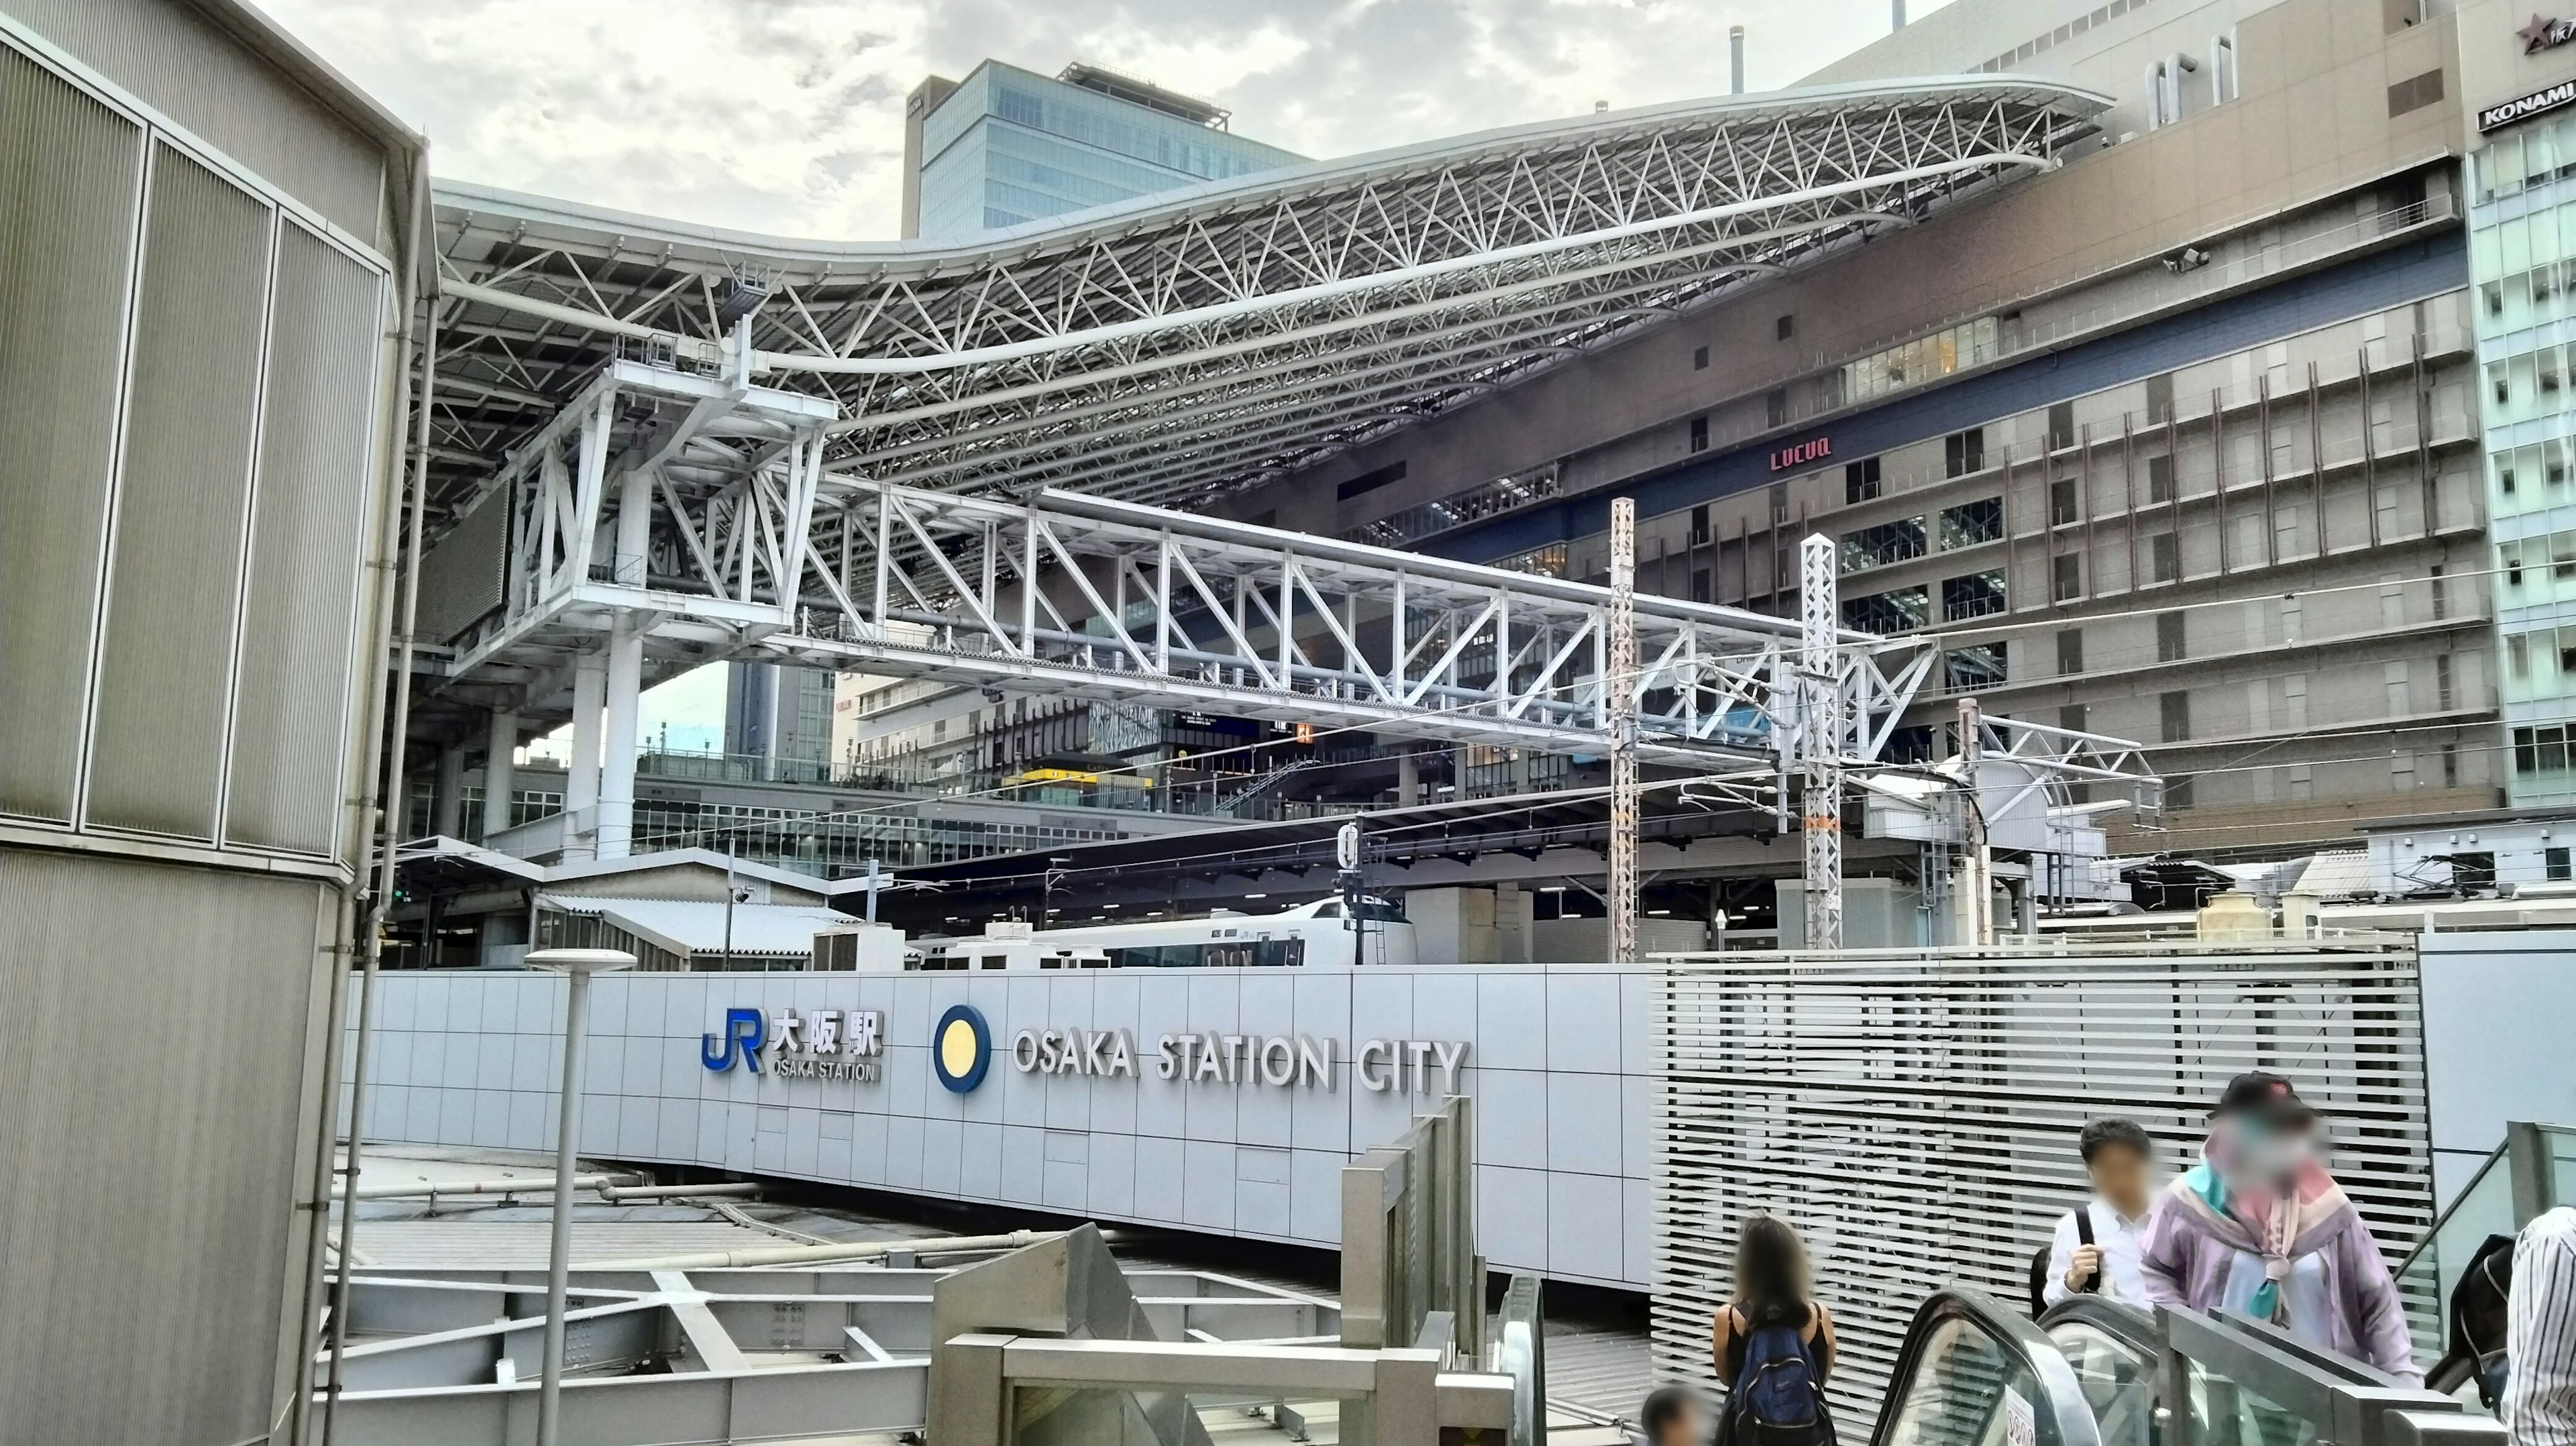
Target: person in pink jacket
(2260, 1228)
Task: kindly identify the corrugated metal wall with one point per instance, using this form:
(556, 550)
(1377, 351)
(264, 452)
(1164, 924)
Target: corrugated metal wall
(299, 618)
(69, 173)
(211, 441)
(174, 576)
(193, 447)
(1915, 1116)
(151, 1061)
(174, 60)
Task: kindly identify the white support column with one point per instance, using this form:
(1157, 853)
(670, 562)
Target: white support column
(1408, 781)
(581, 780)
(1621, 686)
(499, 762)
(634, 527)
(1973, 901)
(447, 816)
(617, 746)
(1820, 742)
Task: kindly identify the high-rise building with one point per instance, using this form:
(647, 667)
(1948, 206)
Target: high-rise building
(2179, 441)
(782, 714)
(1006, 145)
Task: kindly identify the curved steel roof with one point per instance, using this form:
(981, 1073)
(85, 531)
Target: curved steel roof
(1179, 346)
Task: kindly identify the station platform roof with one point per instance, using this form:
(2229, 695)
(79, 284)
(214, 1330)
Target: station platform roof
(1177, 347)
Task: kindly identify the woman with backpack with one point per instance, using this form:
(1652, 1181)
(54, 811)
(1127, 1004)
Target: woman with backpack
(1773, 1343)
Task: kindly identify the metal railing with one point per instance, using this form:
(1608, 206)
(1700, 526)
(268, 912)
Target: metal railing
(1410, 1271)
(1914, 1114)
(2534, 1170)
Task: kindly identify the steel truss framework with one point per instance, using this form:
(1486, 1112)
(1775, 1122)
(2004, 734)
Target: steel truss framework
(731, 536)
(1173, 350)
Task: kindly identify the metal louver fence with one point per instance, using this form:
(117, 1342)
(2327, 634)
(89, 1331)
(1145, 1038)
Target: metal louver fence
(1914, 1114)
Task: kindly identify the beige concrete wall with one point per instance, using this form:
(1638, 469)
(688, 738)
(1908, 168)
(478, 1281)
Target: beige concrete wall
(2312, 124)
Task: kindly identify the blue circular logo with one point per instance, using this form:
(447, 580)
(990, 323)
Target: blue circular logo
(961, 1048)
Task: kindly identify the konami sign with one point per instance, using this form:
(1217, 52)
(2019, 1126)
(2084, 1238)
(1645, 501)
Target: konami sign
(1814, 449)
(2524, 107)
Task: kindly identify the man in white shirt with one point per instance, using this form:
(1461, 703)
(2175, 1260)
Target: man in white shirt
(2540, 1333)
(2099, 1252)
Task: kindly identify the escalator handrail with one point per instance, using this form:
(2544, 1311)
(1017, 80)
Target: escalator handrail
(2018, 1337)
(2133, 1326)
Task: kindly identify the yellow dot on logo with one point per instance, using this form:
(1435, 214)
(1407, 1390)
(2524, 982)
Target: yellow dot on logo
(957, 1047)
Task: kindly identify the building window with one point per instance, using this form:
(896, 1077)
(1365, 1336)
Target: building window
(1699, 525)
(1888, 542)
(2070, 652)
(2415, 94)
(2442, 680)
(1970, 669)
(2160, 479)
(2066, 580)
(1775, 407)
(1894, 611)
(2441, 595)
(2540, 750)
(1699, 359)
(2074, 717)
(2165, 556)
(1977, 595)
(2557, 865)
(1700, 586)
(1786, 327)
(1860, 481)
(1964, 452)
(2061, 426)
(1970, 523)
(2178, 794)
(2517, 654)
(2450, 765)
(2160, 398)
(2169, 638)
(1699, 434)
(2173, 711)
(2061, 502)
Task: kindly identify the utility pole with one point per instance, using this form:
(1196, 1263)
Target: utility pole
(1619, 693)
(1820, 741)
(729, 898)
(1974, 898)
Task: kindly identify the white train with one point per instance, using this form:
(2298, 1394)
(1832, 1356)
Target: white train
(1310, 936)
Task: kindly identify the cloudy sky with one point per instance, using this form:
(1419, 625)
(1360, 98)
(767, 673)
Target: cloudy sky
(786, 115)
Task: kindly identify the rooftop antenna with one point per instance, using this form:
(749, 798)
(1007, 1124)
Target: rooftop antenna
(1735, 57)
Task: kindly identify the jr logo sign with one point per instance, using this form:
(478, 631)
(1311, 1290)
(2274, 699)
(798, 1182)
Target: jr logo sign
(745, 1031)
(824, 1044)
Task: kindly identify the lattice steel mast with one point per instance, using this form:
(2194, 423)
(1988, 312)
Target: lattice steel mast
(1619, 685)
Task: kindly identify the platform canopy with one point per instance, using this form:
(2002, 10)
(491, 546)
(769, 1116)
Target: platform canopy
(1178, 347)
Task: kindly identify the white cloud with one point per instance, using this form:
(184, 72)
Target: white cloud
(787, 115)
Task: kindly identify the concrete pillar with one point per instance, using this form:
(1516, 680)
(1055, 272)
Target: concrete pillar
(447, 802)
(1408, 781)
(498, 763)
(581, 780)
(617, 748)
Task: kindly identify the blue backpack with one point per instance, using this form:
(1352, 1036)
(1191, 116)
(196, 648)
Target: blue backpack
(1777, 1399)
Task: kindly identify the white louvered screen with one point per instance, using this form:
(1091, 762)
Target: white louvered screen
(1915, 1114)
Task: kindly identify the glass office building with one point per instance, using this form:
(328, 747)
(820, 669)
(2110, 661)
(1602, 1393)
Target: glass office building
(2522, 247)
(1009, 145)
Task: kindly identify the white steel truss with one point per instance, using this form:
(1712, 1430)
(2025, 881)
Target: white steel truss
(1170, 350)
(728, 535)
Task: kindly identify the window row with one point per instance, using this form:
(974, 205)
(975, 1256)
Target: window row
(2533, 384)
(1897, 610)
(2525, 156)
(2540, 464)
(2541, 748)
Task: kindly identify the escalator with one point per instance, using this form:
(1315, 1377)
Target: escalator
(2092, 1372)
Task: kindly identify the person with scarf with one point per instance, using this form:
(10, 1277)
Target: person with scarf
(2260, 1228)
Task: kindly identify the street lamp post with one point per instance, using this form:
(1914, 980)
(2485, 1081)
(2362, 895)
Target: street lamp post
(576, 965)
